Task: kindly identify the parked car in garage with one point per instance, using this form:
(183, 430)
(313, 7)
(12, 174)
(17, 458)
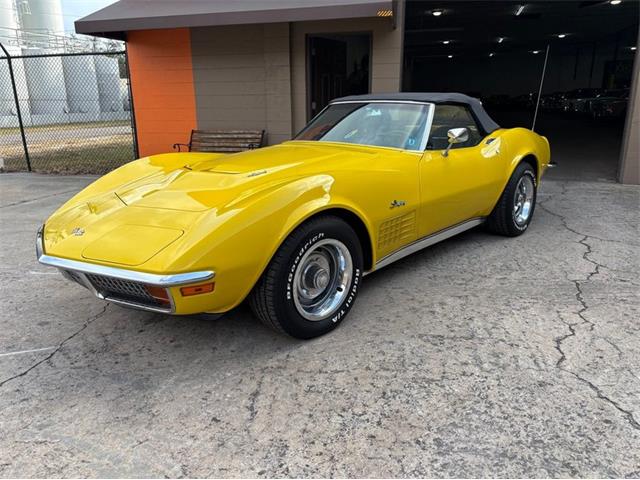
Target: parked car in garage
(578, 101)
(526, 101)
(552, 102)
(294, 227)
(610, 104)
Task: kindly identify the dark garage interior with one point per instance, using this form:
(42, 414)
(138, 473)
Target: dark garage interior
(496, 51)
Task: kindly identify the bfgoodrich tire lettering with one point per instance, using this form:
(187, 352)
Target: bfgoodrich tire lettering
(513, 212)
(312, 281)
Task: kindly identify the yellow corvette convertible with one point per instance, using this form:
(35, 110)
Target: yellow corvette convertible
(294, 227)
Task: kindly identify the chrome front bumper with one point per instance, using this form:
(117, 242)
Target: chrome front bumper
(118, 285)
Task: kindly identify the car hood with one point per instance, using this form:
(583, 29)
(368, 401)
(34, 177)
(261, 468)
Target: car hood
(166, 206)
(218, 182)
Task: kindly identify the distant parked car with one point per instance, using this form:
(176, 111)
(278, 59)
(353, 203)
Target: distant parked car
(610, 104)
(552, 102)
(578, 101)
(497, 102)
(526, 101)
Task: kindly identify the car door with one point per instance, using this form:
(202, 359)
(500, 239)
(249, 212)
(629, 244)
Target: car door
(461, 185)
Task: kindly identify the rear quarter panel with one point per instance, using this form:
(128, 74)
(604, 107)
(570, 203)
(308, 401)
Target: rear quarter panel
(521, 143)
(516, 144)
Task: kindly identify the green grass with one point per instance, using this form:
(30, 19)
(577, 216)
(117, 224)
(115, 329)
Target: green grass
(66, 126)
(89, 156)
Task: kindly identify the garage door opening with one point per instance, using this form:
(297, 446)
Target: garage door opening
(586, 83)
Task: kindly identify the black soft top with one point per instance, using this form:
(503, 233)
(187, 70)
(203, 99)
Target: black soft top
(485, 121)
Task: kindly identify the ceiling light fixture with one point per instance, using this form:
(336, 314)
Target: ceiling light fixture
(615, 2)
(491, 54)
(535, 52)
(500, 39)
(446, 42)
(520, 9)
(633, 49)
(436, 13)
(449, 56)
(562, 35)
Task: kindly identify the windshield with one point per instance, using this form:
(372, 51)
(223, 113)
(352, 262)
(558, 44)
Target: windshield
(395, 125)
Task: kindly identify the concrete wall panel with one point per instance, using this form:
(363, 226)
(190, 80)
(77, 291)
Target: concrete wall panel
(242, 78)
(629, 171)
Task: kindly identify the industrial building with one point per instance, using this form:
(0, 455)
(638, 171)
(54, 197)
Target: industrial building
(54, 85)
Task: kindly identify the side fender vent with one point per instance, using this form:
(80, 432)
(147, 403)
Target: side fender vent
(397, 230)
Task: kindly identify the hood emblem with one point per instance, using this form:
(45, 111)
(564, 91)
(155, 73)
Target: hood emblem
(397, 203)
(78, 232)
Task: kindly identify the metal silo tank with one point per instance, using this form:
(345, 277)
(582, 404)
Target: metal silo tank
(8, 29)
(108, 75)
(39, 18)
(47, 92)
(8, 110)
(41, 21)
(8, 24)
(81, 86)
(7, 101)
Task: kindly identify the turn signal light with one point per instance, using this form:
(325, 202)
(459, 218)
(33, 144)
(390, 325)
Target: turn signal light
(197, 289)
(158, 293)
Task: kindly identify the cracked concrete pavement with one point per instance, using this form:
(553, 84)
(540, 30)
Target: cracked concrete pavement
(480, 356)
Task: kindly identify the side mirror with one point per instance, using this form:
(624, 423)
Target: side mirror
(456, 135)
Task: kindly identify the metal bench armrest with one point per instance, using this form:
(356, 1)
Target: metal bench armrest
(176, 146)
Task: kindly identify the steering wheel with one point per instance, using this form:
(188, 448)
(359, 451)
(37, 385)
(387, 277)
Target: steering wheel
(393, 138)
(438, 140)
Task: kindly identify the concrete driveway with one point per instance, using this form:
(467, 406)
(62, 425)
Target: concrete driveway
(481, 356)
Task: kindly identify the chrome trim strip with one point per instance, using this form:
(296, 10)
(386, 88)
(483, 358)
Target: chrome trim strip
(427, 127)
(139, 306)
(381, 101)
(428, 240)
(131, 275)
(39, 242)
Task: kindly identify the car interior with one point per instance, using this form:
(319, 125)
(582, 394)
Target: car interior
(447, 117)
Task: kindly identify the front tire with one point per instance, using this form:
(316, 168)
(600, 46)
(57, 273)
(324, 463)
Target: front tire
(513, 212)
(312, 281)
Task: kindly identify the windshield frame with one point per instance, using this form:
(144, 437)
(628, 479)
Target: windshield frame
(425, 136)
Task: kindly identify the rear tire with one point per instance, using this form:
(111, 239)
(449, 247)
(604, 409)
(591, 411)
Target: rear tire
(513, 212)
(312, 281)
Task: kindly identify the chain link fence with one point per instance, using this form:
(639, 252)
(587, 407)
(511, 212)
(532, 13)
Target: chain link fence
(65, 113)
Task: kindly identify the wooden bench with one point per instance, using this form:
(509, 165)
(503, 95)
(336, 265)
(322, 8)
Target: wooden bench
(223, 141)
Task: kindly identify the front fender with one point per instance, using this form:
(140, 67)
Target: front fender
(238, 240)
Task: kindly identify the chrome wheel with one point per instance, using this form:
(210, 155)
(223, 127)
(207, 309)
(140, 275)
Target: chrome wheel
(523, 200)
(322, 279)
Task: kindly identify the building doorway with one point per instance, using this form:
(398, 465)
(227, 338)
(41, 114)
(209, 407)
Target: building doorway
(338, 65)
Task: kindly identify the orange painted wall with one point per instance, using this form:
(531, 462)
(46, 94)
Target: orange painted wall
(162, 88)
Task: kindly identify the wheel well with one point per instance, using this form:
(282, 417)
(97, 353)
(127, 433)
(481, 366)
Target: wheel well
(531, 160)
(358, 226)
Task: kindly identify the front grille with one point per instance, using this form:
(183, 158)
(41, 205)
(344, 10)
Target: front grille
(73, 276)
(124, 290)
